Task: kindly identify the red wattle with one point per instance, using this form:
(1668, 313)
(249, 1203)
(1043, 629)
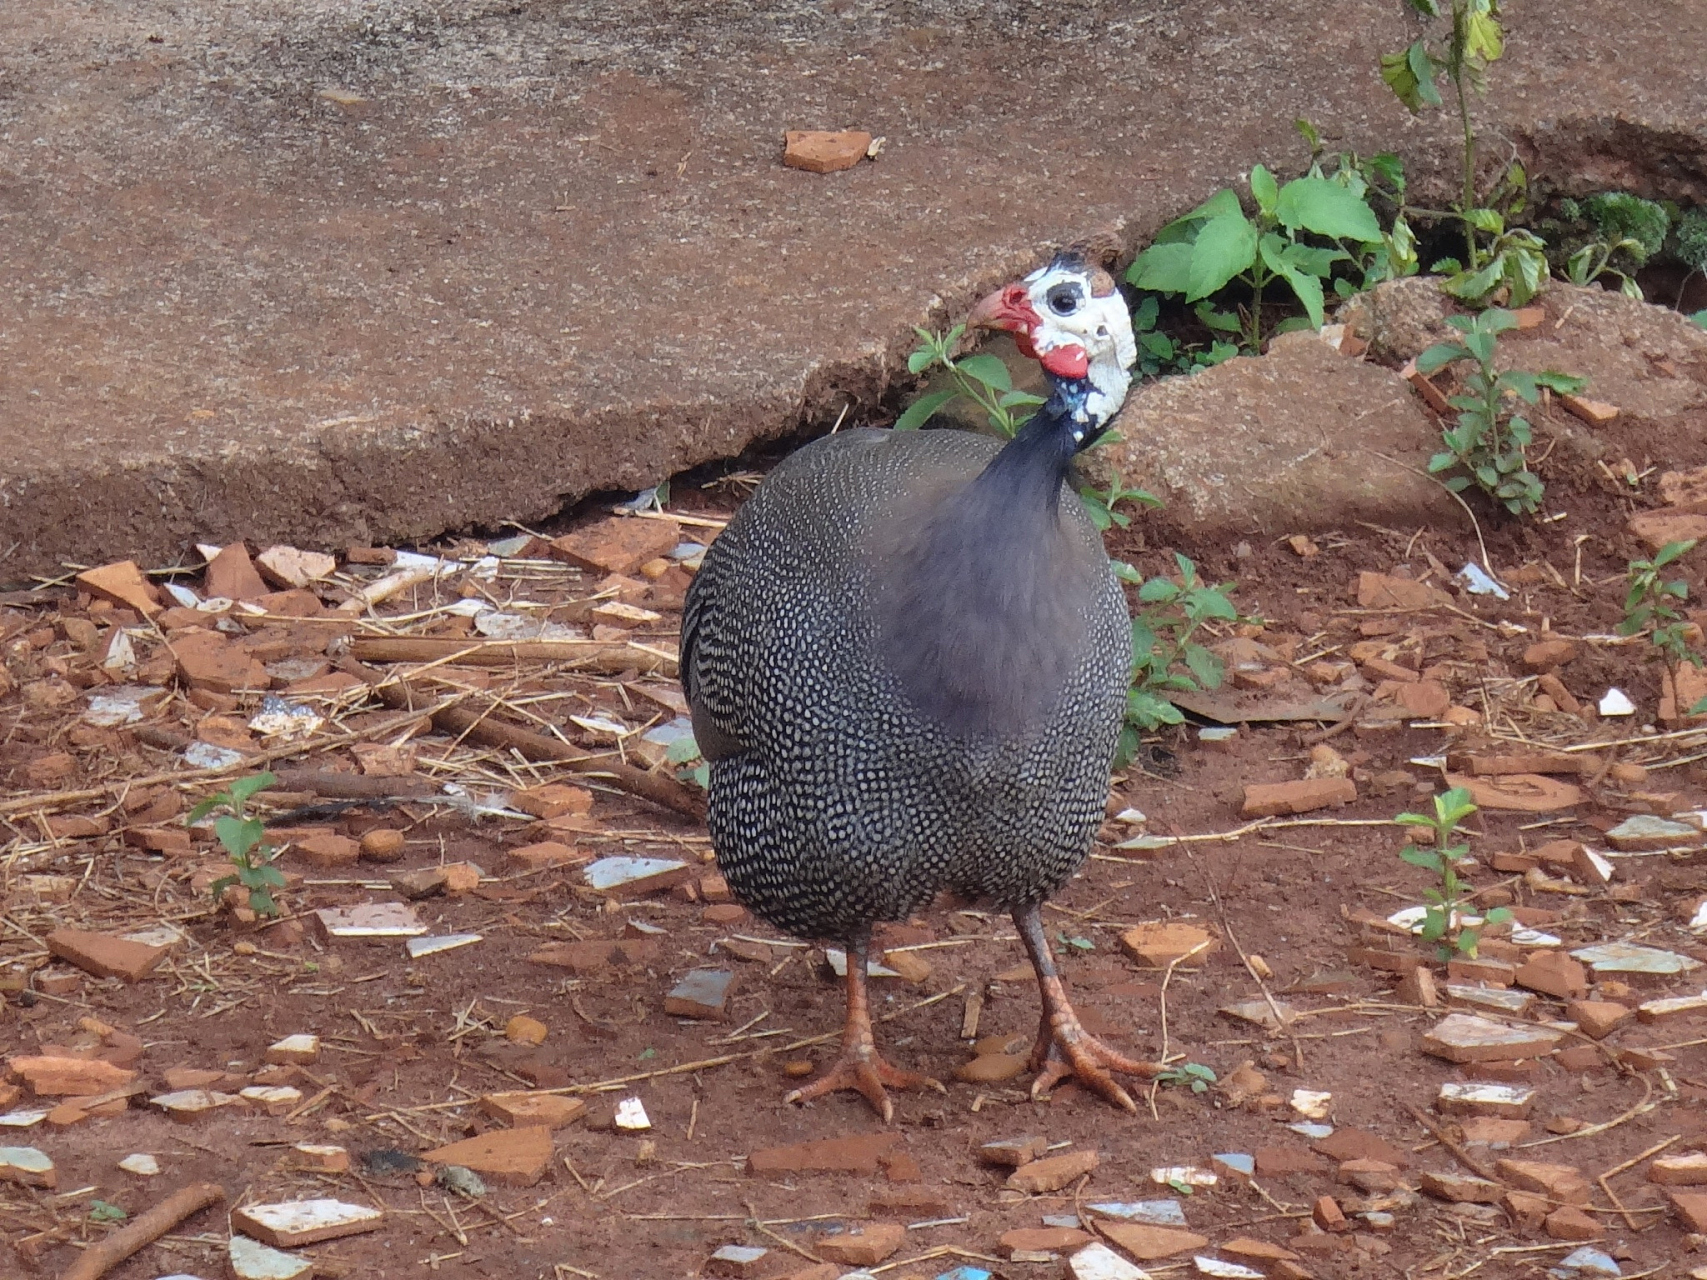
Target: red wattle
(1067, 362)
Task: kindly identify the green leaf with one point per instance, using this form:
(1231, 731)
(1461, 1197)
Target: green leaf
(1567, 384)
(219, 886)
(204, 808)
(1388, 167)
(919, 412)
(1163, 268)
(1672, 550)
(1488, 220)
(921, 360)
(1308, 132)
(1204, 665)
(1410, 75)
(1328, 209)
(1144, 316)
(1440, 355)
(1220, 321)
(1309, 291)
(1149, 711)
(1263, 189)
(1158, 591)
(1427, 859)
(987, 369)
(244, 788)
(101, 1211)
(1125, 572)
(1483, 38)
(238, 835)
(1473, 286)
(1224, 247)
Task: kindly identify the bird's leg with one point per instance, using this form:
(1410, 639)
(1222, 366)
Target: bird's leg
(860, 1067)
(1064, 1048)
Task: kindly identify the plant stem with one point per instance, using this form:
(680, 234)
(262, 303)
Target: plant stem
(1469, 196)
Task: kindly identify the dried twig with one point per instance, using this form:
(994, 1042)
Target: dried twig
(143, 1230)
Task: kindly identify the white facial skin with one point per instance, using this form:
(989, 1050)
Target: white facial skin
(1071, 314)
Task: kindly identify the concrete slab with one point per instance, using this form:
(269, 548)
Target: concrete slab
(371, 269)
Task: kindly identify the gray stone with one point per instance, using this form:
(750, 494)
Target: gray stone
(252, 1260)
(1463, 1037)
(1399, 319)
(1298, 440)
(1633, 957)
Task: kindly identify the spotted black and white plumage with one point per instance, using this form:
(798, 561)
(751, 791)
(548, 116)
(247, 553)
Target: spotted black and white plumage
(907, 659)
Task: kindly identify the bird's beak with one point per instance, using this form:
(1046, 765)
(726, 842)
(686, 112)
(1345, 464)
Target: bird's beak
(1007, 308)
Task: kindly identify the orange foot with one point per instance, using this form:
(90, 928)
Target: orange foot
(866, 1073)
(1064, 1048)
(860, 1067)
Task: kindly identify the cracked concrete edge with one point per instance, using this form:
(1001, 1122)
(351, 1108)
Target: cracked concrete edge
(399, 477)
(404, 476)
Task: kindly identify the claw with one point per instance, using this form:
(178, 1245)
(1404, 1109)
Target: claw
(1064, 1048)
(860, 1067)
(866, 1074)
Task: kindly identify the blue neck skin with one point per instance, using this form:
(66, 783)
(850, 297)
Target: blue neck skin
(1028, 473)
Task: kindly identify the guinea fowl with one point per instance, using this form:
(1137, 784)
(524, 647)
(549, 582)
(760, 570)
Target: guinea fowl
(907, 658)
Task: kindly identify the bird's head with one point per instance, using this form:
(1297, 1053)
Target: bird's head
(1070, 317)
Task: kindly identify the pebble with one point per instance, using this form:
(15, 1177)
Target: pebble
(1632, 957)
(294, 1223)
(1052, 1173)
(1462, 1037)
(1615, 702)
(509, 1157)
(703, 994)
(27, 1166)
(1099, 1262)
(1161, 1213)
(252, 1260)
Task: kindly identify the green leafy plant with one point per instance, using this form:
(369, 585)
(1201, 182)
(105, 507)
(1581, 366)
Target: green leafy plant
(1217, 243)
(1649, 601)
(1378, 180)
(103, 1211)
(983, 379)
(1160, 353)
(1445, 922)
(1496, 253)
(1165, 656)
(1489, 441)
(1100, 503)
(244, 839)
(1611, 233)
(1193, 1075)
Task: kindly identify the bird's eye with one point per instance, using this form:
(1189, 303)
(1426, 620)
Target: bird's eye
(1063, 299)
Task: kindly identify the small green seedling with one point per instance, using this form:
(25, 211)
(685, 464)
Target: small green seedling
(1444, 922)
(244, 838)
(1192, 1074)
(1165, 657)
(102, 1211)
(1490, 441)
(1217, 242)
(982, 379)
(1511, 257)
(1648, 604)
(1160, 353)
